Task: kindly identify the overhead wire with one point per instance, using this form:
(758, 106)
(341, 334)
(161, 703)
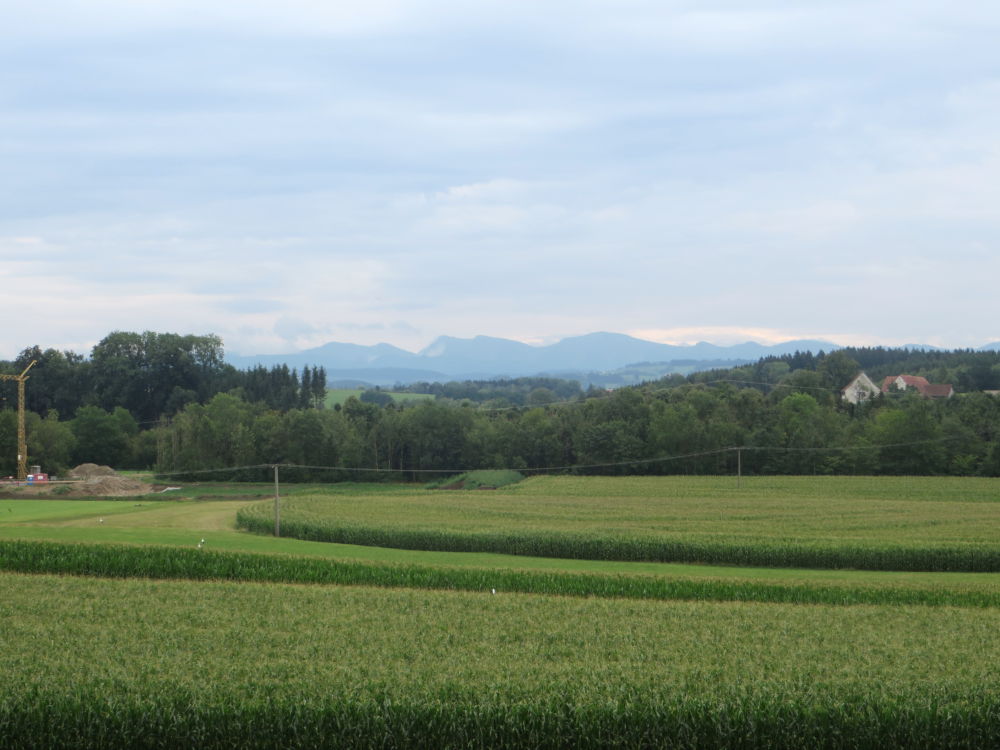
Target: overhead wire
(567, 467)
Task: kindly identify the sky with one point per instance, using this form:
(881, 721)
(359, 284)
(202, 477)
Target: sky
(288, 174)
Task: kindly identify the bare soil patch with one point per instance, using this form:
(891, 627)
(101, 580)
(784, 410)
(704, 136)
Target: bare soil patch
(86, 480)
(89, 471)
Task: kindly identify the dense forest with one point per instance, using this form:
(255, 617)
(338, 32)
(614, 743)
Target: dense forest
(170, 402)
(153, 375)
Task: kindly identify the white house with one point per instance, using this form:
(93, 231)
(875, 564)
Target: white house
(860, 389)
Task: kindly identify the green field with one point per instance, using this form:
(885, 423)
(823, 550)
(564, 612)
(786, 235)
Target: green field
(883, 523)
(264, 642)
(218, 664)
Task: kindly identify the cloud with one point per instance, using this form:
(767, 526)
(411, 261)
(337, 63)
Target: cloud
(399, 326)
(110, 17)
(290, 328)
(723, 335)
(244, 306)
(403, 169)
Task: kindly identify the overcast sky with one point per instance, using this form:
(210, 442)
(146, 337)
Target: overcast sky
(287, 174)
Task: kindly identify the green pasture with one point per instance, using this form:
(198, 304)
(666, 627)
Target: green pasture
(158, 663)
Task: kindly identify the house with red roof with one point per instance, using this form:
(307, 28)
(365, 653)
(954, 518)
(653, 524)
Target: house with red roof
(919, 384)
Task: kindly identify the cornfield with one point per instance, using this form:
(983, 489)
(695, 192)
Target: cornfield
(878, 524)
(90, 662)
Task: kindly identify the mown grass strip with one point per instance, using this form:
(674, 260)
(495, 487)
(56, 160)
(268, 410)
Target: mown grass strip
(125, 561)
(940, 557)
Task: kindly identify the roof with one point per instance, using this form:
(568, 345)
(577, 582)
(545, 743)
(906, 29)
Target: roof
(912, 381)
(860, 379)
(920, 384)
(935, 390)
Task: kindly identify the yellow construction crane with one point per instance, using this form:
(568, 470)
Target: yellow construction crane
(22, 437)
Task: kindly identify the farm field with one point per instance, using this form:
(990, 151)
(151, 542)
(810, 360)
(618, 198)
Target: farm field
(120, 529)
(221, 664)
(880, 523)
(146, 638)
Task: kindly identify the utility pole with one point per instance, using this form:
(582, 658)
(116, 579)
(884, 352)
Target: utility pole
(22, 435)
(277, 504)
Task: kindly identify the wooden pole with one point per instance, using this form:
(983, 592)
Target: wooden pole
(277, 504)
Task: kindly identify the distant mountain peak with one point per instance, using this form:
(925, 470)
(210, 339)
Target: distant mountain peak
(485, 357)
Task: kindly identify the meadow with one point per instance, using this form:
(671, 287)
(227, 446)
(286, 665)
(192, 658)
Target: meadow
(147, 636)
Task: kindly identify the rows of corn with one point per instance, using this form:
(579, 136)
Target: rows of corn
(315, 519)
(886, 523)
(191, 563)
(156, 646)
(91, 662)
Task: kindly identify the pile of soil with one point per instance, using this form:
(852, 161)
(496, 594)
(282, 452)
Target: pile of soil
(86, 480)
(110, 486)
(89, 471)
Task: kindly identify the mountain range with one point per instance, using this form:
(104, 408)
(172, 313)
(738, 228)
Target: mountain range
(486, 357)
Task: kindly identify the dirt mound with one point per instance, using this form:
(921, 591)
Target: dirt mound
(89, 471)
(111, 486)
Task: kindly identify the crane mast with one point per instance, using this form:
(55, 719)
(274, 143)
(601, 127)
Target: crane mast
(22, 435)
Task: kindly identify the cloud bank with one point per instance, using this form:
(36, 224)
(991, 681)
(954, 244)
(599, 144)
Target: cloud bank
(289, 175)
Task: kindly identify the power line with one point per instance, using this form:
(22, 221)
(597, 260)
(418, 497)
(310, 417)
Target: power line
(212, 471)
(772, 385)
(571, 467)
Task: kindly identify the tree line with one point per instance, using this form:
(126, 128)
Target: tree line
(674, 429)
(784, 413)
(101, 408)
(154, 375)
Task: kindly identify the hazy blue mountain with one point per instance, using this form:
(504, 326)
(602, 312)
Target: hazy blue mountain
(603, 351)
(994, 347)
(480, 354)
(485, 357)
(609, 351)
